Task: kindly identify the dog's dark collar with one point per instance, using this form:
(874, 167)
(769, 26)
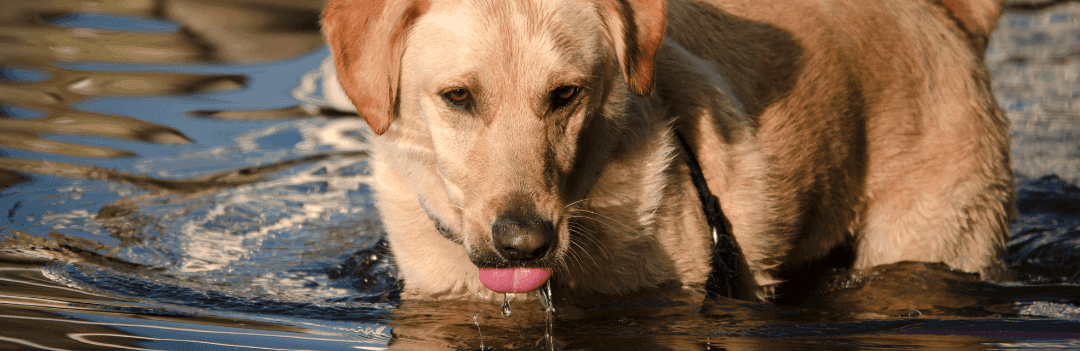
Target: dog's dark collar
(440, 226)
(725, 253)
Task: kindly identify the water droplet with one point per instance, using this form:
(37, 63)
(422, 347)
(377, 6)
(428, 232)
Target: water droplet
(544, 294)
(506, 305)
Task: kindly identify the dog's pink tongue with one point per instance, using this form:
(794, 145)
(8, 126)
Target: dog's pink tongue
(513, 280)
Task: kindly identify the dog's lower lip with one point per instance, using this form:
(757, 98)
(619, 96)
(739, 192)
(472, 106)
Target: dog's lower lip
(514, 280)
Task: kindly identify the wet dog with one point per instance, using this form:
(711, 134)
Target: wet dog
(530, 141)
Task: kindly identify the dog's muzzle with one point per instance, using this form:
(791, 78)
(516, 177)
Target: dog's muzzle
(520, 241)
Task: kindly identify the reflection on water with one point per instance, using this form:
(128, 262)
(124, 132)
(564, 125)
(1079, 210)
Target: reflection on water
(81, 319)
(170, 179)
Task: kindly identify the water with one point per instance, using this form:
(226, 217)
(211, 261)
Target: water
(161, 187)
(506, 305)
(544, 295)
(478, 331)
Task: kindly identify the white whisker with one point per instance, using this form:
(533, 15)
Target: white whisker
(599, 217)
(574, 203)
(587, 234)
(586, 253)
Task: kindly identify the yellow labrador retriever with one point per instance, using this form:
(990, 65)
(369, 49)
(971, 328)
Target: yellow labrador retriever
(530, 141)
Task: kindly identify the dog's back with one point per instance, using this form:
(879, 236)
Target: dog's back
(884, 141)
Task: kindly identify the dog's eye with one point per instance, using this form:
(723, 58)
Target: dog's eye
(563, 95)
(458, 97)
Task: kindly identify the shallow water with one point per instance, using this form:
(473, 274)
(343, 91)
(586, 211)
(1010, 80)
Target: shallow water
(162, 187)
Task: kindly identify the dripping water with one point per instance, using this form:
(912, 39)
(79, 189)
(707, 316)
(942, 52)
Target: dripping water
(476, 321)
(544, 294)
(506, 305)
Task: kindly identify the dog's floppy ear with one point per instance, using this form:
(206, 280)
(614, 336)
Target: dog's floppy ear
(636, 29)
(367, 38)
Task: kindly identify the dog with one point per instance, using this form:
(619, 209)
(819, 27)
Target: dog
(529, 142)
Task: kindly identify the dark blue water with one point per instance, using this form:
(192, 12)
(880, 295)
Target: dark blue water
(205, 204)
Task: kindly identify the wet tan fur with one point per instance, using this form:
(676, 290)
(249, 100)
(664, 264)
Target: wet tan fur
(818, 124)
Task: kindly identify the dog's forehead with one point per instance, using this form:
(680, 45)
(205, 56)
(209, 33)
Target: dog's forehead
(523, 35)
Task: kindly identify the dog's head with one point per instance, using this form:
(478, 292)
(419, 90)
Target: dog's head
(517, 98)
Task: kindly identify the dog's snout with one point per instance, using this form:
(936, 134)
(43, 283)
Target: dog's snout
(522, 239)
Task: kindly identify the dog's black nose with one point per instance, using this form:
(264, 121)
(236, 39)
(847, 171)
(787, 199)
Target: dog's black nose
(522, 239)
